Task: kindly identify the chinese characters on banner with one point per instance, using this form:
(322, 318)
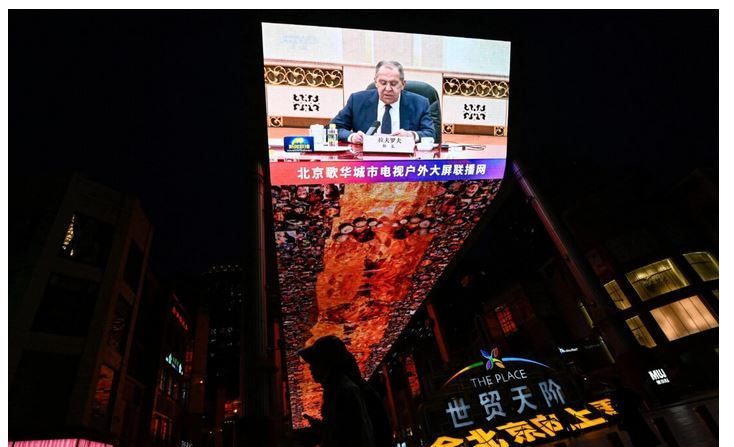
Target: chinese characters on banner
(535, 427)
(299, 172)
(516, 405)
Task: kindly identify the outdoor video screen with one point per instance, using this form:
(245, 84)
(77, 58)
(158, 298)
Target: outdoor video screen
(368, 216)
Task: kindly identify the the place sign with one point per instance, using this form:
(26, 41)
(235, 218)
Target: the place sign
(520, 398)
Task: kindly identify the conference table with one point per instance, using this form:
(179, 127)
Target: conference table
(460, 146)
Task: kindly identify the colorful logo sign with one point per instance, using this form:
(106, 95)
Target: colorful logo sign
(512, 406)
(493, 359)
(299, 144)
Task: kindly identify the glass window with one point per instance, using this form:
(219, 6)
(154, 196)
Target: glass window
(102, 397)
(87, 240)
(163, 380)
(133, 266)
(504, 316)
(160, 428)
(656, 279)
(586, 315)
(154, 424)
(617, 295)
(640, 332)
(118, 332)
(704, 264)
(685, 317)
(66, 307)
(185, 391)
(411, 373)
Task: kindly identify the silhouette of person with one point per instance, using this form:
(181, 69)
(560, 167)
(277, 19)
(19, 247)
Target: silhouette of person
(382, 432)
(630, 419)
(344, 419)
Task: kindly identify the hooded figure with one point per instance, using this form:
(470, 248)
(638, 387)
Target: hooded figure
(344, 418)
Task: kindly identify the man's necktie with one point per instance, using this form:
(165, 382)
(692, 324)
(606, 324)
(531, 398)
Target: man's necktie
(386, 120)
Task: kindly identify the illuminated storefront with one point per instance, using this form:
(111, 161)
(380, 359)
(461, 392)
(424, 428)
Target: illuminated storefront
(506, 401)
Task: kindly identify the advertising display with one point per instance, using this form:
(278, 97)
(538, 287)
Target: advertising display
(510, 400)
(370, 210)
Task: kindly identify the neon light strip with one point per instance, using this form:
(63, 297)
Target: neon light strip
(473, 365)
(519, 359)
(72, 442)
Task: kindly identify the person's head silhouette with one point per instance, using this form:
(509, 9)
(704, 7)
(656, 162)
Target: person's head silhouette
(326, 358)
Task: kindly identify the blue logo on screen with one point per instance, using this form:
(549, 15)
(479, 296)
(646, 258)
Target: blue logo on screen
(298, 144)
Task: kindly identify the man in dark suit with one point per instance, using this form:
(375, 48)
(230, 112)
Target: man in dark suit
(400, 113)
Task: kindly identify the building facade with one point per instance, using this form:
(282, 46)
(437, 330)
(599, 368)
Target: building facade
(77, 263)
(648, 322)
(223, 289)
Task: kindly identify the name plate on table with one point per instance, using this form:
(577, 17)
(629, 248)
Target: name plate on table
(299, 144)
(387, 143)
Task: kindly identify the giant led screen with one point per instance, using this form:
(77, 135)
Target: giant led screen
(365, 224)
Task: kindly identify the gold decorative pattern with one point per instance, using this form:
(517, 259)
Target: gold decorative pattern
(303, 76)
(474, 129)
(482, 88)
(275, 121)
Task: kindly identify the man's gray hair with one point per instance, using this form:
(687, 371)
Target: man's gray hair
(391, 64)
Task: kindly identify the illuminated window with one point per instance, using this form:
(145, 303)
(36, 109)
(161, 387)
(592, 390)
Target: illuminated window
(232, 408)
(656, 279)
(66, 245)
(640, 332)
(704, 264)
(685, 317)
(504, 316)
(586, 315)
(160, 427)
(412, 373)
(87, 240)
(189, 360)
(102, 395)
(66, 307)
(617, 295)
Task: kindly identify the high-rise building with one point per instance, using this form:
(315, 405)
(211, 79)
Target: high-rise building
(164, 398)
(223, 291)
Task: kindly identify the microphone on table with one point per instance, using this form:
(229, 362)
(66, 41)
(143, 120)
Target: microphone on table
(373, 128)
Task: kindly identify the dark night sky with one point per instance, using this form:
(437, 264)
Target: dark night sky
(170, 105)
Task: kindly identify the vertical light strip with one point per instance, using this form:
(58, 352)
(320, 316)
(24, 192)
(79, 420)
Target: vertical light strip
(417, 50)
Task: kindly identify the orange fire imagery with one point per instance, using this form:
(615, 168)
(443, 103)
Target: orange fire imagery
(357, 260)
